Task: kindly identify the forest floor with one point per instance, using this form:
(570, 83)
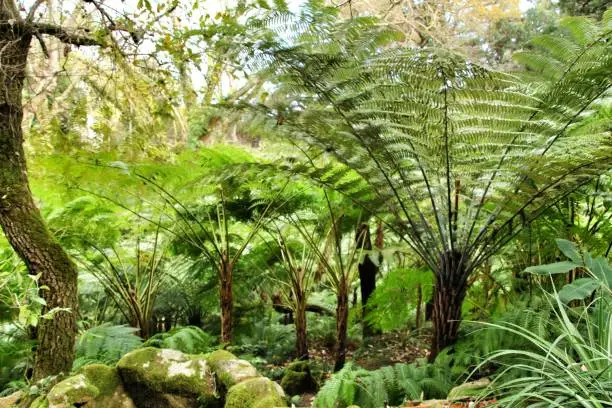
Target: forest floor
(376, 352)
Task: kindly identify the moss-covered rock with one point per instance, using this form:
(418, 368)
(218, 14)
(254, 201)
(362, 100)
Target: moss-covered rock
(155, 377)
(76, 390)
(298, 379)
(468, 390)
(220, 355)
(258, 392)
(40, 402)
(11, 400)
(95, 386)
(229, 369)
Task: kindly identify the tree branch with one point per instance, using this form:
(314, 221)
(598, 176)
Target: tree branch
(61, 33)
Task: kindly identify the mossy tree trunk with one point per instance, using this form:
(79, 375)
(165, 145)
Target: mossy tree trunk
(342, 312)
(301, 340)
(20, 219)
(226, 301)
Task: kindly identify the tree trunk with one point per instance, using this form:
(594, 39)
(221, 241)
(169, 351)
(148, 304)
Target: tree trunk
(367, 277)
(341, 325)
(301, 341)
(226, 301)
(449, 292)
(21, 221)
(418, 308)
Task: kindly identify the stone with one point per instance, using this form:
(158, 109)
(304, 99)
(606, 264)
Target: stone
(11, 400)
(165, 378)
(259, 392)
(76, 390)
(468, 390)
(229, 369)
(95, 386)
(298, 379)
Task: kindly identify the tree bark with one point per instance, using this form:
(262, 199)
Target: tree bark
(367, 277)
(226, 300)
(342, 310)
(301, 340)
(449, 292)
(20, 219)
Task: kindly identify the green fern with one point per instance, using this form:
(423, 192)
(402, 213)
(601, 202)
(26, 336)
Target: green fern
(387, 385)
(105, 344)
(189, 339)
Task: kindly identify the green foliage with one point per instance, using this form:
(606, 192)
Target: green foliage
(400, 128)
(476, 341)
(568, 369)
(16, 358)
(393, 302)
(598, 272)
(105, 344)
(188, 339)
(392, 384)
(273, 341)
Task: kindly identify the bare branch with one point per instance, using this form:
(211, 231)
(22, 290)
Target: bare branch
(33, 9)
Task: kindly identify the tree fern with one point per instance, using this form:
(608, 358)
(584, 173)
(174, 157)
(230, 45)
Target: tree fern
(462, 157)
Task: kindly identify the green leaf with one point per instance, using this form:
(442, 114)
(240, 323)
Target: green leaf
(579, 289)
(570, 250)
(553, 268)
(601, 269)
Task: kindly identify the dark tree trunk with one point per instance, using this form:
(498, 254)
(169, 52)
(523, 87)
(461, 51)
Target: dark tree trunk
(418, 308)
(449, 292)
(21, 220)
(226, 301)
(301, 340)
(367, 277)
(342, 310)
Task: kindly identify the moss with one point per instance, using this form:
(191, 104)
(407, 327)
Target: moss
(297, 379)
(219, 355)
(40, 402)
(255, 393)
(104, 377)
(72, 391)
(468, 389)
(167, 371)
(299, 366)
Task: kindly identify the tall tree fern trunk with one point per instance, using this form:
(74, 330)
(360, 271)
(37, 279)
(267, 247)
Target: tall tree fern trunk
(301, 341)
(226, 301)
(449, 293)
(342, 309)
(21, 220)
(367, 277)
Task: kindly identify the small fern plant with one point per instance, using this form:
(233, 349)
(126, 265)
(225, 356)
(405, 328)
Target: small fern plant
(188, 339)
(105, 344)
(388, 385)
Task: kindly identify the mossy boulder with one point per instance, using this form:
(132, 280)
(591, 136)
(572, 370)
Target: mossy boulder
(259, 392)
(165, 378)
(40, 402)
(95, 386)
(468, 390)
(11, 400)
(298, 379)
(76, 390)
(229, 369)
